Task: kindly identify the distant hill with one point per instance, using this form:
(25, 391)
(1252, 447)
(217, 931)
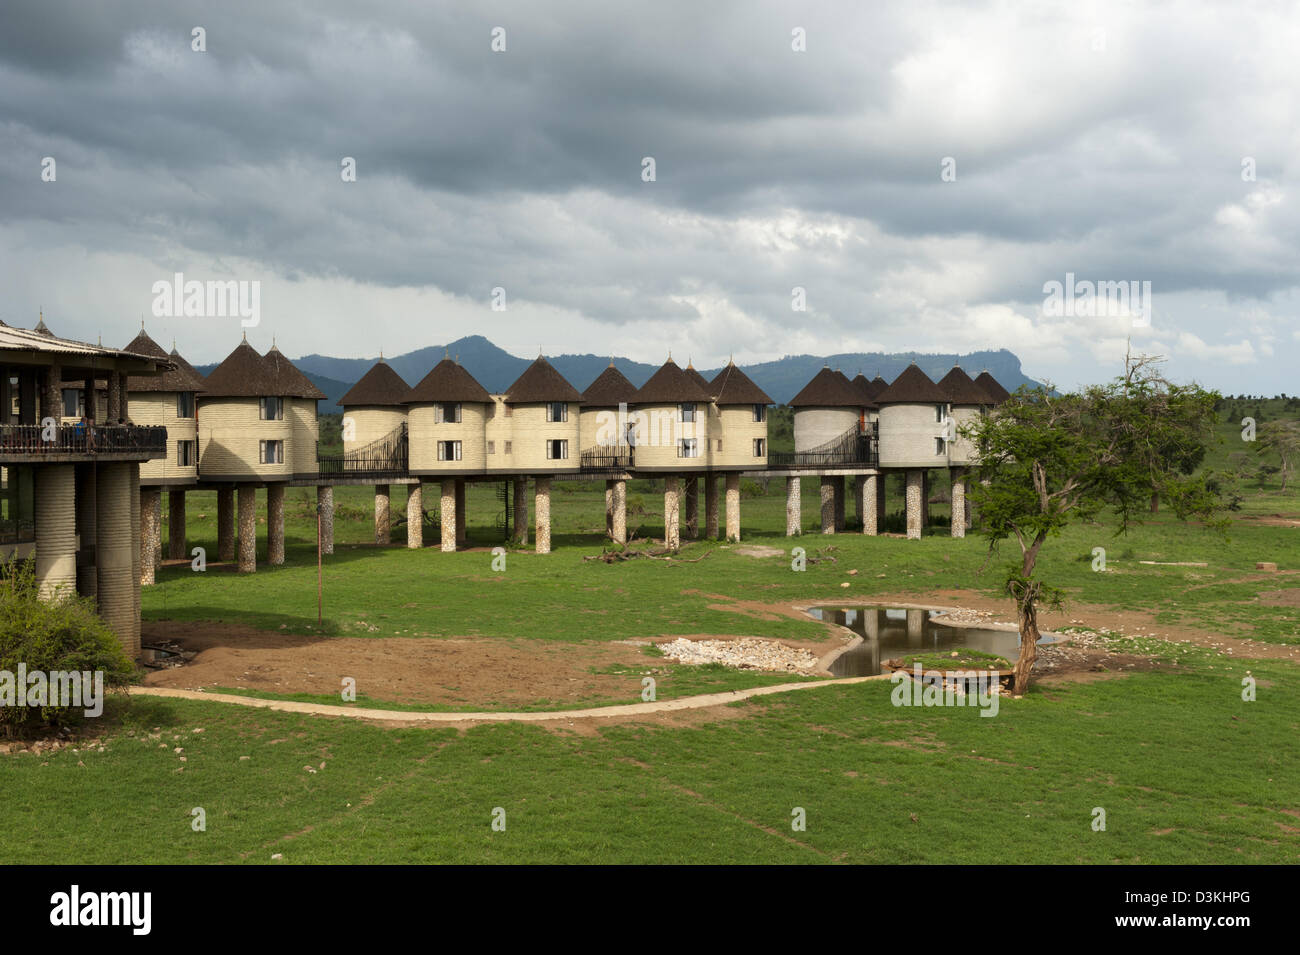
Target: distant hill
(496, 369)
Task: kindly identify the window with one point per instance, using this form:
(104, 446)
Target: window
(557, 411)
(688, 448)
(272, 409)
(557, 450)
(940, 412)
(270, 452)
(447, 413)
(17, 505)
(185, 404)
(939, 445)
(507, 447)
(448, 450)
(760, 412)
(687, 412)
(185, 453)
(760, 447)
(719, 444)
(73, 406)
(492, 447)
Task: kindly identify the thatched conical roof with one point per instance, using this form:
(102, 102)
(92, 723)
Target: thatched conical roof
(541, 383)
(243, 374)
(828, 389)
(992, 388)
(912, 387)
(959, 388)
(733, 387)
(447, 381)
(610, 389)
(379, 387)
(181, 378)
(670, 385)
(290, 382)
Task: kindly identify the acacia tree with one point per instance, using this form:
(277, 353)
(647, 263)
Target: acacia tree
(1283, 439)
(1048, 459)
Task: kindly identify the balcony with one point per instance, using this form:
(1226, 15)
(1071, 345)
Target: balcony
(32, 443)
(612, 458)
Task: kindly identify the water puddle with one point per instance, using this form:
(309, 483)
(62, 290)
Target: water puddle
(889, 632)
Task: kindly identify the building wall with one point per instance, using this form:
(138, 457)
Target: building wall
(961, 451)
(600, 424)
(305, 431)
(531, 431)
(658, 429)
(370, 424)
(816, 426)
(470, 432)
(736, 426)
(498, 430)
(159, 408)
(229, 432)
(907, 434)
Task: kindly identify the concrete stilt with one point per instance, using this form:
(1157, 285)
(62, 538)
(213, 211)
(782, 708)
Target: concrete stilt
(609, 509)
(868, 490)
(325, 501)
(958, 517)
(247, 528)
(710, 508)
(383, 524)
(793, 507)
(828, 505)
(915, 627)
(521, 511)
(415, 515)
(56, 530)
(133, 479)
(150, 533)
(619, 533)
(839, 503)
(447, 515)
(275, 524)
(226, 524)
(672, 512)
(542, 505)
(915, 483)
(462, 520)
(176, 526)
(733, 506)
(115, 589)
(692, 508)
(87, 522)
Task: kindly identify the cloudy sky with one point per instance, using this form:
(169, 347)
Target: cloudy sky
(920, 170)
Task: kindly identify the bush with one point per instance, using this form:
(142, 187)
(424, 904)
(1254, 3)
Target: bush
(46, 636)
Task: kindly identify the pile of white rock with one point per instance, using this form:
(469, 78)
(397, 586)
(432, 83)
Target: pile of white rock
(746, 653)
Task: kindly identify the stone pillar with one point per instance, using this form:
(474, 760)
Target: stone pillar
(383, 526)
(619, 532)
(914, 510)
(958, 516)
(609, 509)
(461, 516)
(672, 512)
(176, 525)
(225, 522)
(543, 511)
(828, 505)
(56, 529)
(133, 481)
(247, 528)
(415, 515)
(325, 501)
(52, 394)
(693, 507)
(793, 507)
(915, 627)
(710, 508)
(114, 537)
(839, 503)
(733, 506)
(447, 515)
(521, 510)
(114, 398)
(87, 522)
(150, 533)
(869, 489)
(275, 524)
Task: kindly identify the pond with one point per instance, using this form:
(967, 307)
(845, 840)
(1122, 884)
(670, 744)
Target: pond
(889, 632)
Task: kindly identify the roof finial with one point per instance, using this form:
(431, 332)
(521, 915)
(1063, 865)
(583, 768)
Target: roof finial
(381, 354)
(245, 336)
(446, 353)
(173, 343)
(142, 321)
(611, 361)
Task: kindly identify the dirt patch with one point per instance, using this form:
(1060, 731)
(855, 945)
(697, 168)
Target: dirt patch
(1280, 598)
(755, 551)
(481, 672)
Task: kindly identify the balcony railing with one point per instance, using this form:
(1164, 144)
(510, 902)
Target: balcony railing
(607, 458)
(36, 440)
(856, 447)
(388, 456)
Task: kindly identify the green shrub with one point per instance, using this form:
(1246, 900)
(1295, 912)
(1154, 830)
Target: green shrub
(50, 636)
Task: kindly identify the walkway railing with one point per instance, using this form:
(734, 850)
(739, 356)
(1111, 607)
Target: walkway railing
(607, 458)
(388, 456)
(81, 438)
(855, 447)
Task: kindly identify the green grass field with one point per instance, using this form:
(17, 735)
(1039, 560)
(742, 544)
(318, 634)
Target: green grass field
(1186, 771)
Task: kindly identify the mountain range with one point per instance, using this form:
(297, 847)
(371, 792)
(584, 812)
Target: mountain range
(496, 369)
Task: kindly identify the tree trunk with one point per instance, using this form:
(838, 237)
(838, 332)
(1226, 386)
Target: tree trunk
(1027, 616)
(1155, 502)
